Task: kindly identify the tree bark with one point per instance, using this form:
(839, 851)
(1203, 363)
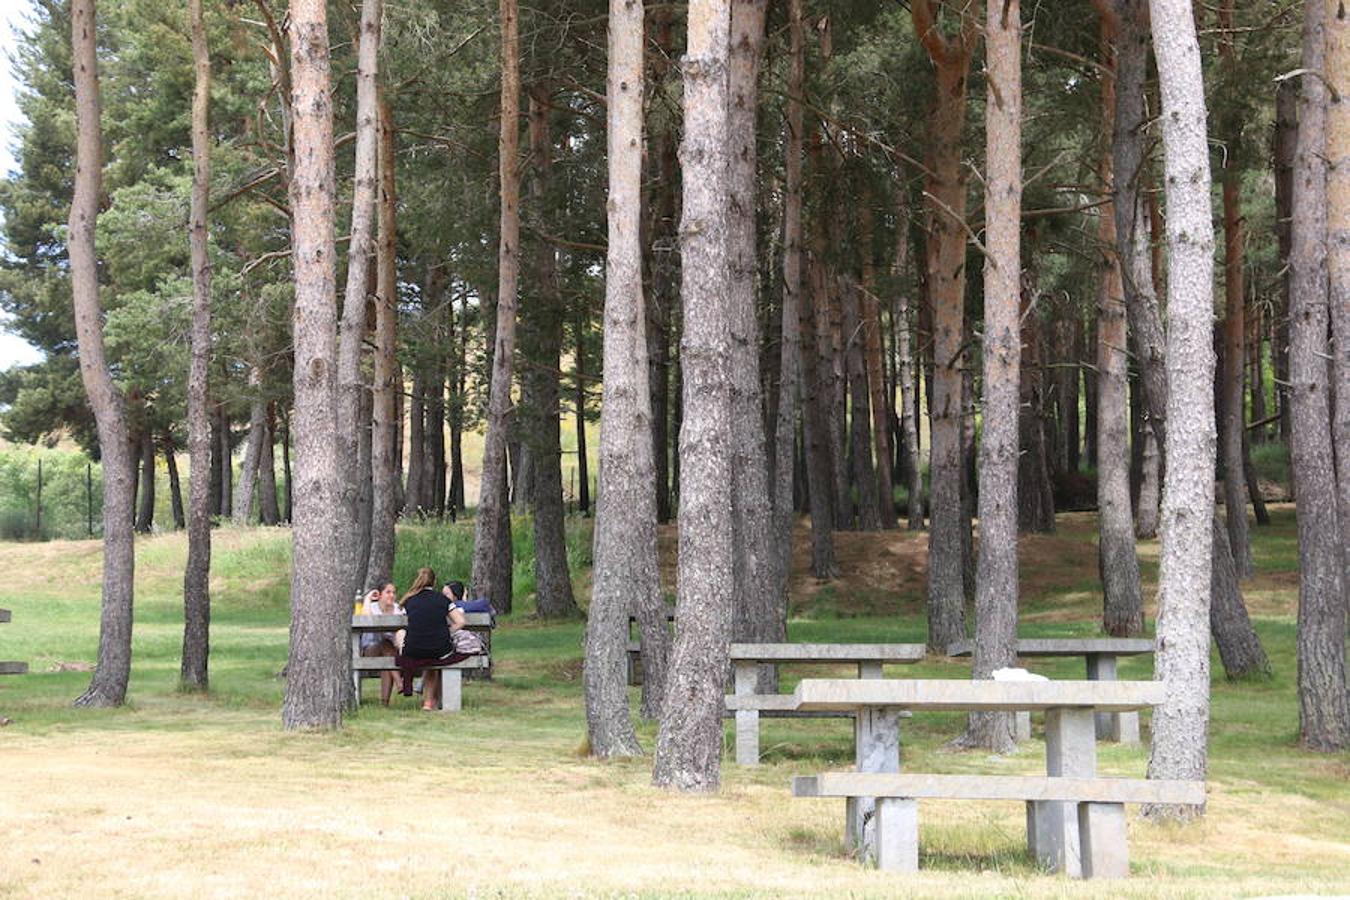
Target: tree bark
(882, 408)
(1150, 488)
(1232, 426)
(1180, 725)
(318, 670)
(108, 687)
(194, 672)
(352, 391)
(579, 404)
(145, 518)
(1035, 493)
(416, 441)
(996, 580)
(689, 743)
(541, 339)
(664, 275)
(386, 462)
(625, 576)
(1324, 716)
(492, 556)
(1122, 603)
(946, 253)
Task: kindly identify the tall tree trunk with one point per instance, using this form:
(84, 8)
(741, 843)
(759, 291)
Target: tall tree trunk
(1286, 145)
(1231, 426)
(492, 556)
(193, 673)
(625, 572)
(579, 404)
(108, 687)
(689, 742)
(214, 486)
(541, 340)
(760, 596)
(664, 275)
(860, 422)
(416, 441)
(882, 407)
(458, 376)
(996, 581)
(353, 393)
(946, 281)
(175, 487)
(1338, 256)
(226, 457)
(1324, 716)
(365, 496)
(145, 517)
(1035, 493)
(790, 349)
(1122, 603)
(386, 462)
(1180, 725)
(434, 475)
(268, 513)
(248, 472)
(1150, 488)
(905, 373)
(287, 494)
(1239, 648)
(317, 674)
(819, 476)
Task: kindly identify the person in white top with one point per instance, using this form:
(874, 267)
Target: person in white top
(384, 602)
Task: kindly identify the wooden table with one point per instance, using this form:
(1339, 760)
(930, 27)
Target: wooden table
(1071, 749)
(747, 704)
(1100, 655)
(11, 668)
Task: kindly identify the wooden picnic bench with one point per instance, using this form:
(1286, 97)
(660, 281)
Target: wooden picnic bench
(1100, 655)
(1075, 819)
(451, 674)
(11, 668)
(747, 705)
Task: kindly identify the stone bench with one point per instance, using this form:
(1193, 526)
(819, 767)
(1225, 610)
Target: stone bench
(1100, 655)
(1097, 810)
(1070, 749)
(451, 675)
(11, 668)
(748, 705)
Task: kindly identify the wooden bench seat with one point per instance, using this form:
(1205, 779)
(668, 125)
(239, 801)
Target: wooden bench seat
(11, 668)
(1093, 806)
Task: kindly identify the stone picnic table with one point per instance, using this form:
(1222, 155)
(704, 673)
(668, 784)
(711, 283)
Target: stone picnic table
(451, 682)
(1075, 821)
(747, 704)
(1100, 655)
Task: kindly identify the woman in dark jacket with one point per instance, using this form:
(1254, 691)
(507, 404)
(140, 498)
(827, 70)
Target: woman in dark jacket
(430, 621)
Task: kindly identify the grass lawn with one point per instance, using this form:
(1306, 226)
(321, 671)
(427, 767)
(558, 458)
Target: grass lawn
(184, 795)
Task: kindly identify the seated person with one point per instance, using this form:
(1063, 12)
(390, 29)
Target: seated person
(383, 643)
(455, 591)
(434, 633)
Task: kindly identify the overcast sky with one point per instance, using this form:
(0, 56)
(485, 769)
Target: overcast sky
(13, 14)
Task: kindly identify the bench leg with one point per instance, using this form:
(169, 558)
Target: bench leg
(877, 748)
(897, 826)
(1120, 727)
(634, 665)
(747, 737)
(745, 680)
(1070, 751)
(869, 670)
(1101, 828)
(1022, 726)
(451, 690)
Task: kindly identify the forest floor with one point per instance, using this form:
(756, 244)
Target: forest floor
(178, 795)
